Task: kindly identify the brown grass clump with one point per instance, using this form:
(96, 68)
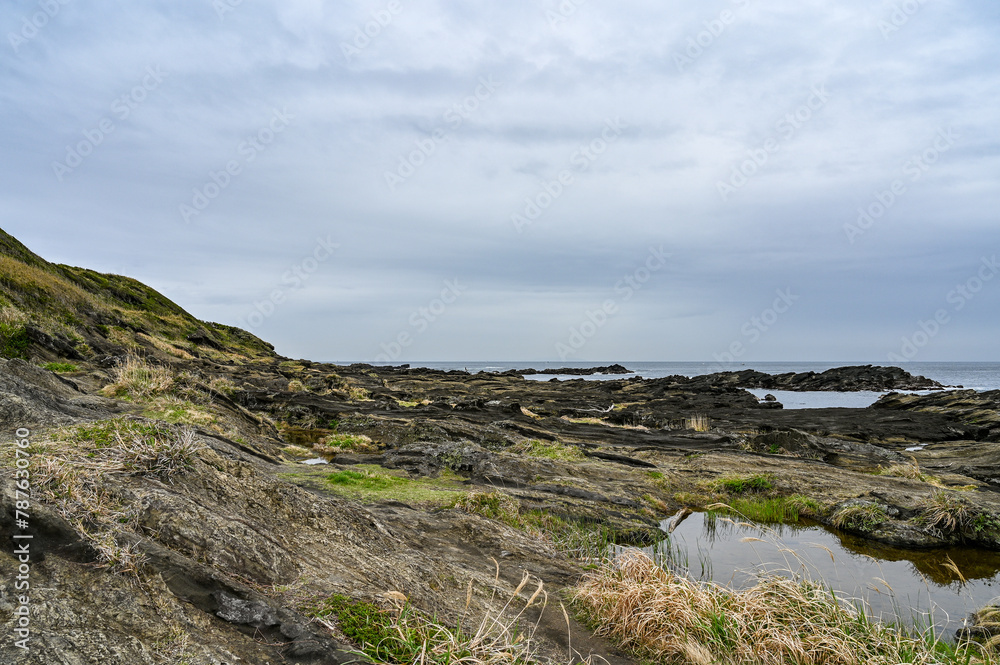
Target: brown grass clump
(404, 634)
(667, 618)
(72, 470)
(947, 512)
(135, 378)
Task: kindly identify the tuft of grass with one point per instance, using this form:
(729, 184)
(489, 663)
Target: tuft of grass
(659, 616)
(296, 386)
(61, 368)
(223, 386)
(495, 505)
(548, 450)
(403, 635)
(358, 443)
(947, 512)
(75, 464)
(14, 340)
(699, 423)
(738, 485)
(864, 517)
(134, 378)
(770, 510)
(909, 470)
(358, 394)
(586, 541)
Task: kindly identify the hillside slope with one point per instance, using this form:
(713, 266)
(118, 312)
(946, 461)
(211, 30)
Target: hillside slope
(56, 312)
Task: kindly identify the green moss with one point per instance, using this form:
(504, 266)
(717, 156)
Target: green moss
(365, 625)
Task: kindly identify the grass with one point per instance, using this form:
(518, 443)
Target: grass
(402, 634)
(738, 485)
(358, 443)
(548, 450)
(14, 340)
(372, 483)
(770, 510)
(134, 378)
(72, 469)
(61, 368)
(909, 470)
(666, 618)
(865, 517)
(586, 541)
(947, 512)
(172, 409)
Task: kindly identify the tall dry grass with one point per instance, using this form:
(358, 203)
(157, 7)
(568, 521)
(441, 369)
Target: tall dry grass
(71, 475)
(134, 377)
(667, 618)
(401, 633)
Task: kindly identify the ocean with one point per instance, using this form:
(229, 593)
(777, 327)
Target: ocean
(973, 375)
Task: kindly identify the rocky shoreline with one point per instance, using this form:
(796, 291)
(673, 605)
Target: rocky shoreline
(174, 518)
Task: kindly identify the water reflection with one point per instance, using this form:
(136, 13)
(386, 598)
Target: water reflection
(896, 584)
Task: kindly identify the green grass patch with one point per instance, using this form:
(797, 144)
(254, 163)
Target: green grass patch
(358, 443)
(770, 510)
(737, 485)
(14, 341)
(373, 483)
(106, 433)
(61, 368)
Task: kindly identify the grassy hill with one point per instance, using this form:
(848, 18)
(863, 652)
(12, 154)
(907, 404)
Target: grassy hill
(51, 312)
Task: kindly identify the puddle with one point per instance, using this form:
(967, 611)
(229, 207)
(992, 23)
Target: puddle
(897, 585)
(317, 460)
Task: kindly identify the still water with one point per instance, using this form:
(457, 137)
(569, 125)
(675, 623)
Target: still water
(897, 585)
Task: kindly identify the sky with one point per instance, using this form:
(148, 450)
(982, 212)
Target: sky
(533, 180)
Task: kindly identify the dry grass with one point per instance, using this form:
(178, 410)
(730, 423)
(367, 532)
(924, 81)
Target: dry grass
(911, 471)
(356, 443)
(599, 421)
(699, 423)
(947, 512)
(403, 634)
(671, 619)
(12, 316)
(72, 470)
(166, 347)
(861, 517)
(134, 378)
(41, 284)
(495, 505)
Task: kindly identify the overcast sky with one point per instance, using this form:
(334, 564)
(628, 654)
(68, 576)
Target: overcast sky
(528, 180)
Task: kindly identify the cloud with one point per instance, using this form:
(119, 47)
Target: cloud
(368, 85)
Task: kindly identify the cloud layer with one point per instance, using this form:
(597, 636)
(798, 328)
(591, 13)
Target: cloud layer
(321, 172)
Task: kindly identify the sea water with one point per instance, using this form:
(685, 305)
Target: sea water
(971, 375)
